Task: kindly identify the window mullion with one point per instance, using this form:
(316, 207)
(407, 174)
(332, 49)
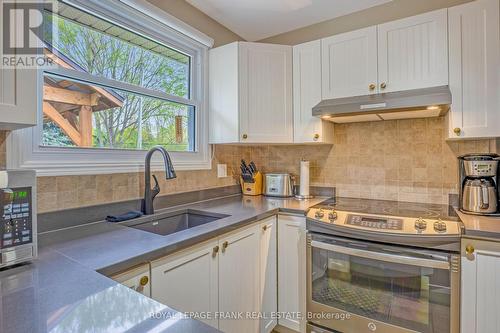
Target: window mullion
(89, 78)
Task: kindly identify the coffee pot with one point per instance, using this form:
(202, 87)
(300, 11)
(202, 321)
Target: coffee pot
(479, 183)
(480, 196)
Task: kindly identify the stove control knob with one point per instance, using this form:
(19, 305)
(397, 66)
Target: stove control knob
(332, 216)
(420, 224)
(440, 226)
(319, 214)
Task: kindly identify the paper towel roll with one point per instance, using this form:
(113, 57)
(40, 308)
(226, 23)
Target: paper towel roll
(304, 179)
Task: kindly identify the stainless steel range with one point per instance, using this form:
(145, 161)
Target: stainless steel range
(383, 266)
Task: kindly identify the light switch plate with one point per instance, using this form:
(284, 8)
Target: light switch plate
(221, 170)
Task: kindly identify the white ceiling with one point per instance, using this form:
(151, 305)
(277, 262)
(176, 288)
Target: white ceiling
(257, 19)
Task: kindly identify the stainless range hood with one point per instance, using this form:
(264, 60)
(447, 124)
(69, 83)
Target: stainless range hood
(417, 103)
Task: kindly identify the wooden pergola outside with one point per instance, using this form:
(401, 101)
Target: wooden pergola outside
(70, 104)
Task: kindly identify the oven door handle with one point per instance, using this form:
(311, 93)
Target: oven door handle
(413, 261)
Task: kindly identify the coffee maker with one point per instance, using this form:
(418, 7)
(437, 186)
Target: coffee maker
(479, 188)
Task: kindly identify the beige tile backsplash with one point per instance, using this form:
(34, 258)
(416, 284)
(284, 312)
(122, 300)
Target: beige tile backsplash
(407, 160)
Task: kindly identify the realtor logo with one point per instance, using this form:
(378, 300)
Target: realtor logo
(24, 32)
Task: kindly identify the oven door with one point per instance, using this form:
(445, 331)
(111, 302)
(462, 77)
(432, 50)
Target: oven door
(356, 286)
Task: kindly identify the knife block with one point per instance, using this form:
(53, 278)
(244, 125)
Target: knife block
(254, 188)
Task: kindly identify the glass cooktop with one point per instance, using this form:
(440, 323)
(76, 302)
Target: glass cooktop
(392, 208)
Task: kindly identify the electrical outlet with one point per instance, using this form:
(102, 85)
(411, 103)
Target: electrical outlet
(221, 170)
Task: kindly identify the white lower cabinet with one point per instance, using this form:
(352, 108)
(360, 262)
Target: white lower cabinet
(268, 273)
(292, 270)
(239, 279)
(235, 274)
(137, 278)
(480, 286)
(188, 281)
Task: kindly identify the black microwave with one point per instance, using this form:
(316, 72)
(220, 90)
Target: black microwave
(18, 232)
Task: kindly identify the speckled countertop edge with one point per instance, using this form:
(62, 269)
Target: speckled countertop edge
(480, 226)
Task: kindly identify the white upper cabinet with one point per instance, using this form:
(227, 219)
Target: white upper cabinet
(18, 91)
(307, 93)
(413, 52)
(349, 63)
(475, 69)
(251, 93)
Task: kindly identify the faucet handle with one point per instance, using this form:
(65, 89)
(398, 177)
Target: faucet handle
(156, 188)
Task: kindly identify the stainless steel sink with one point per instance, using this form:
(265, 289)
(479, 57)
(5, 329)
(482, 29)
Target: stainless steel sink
(172, 222)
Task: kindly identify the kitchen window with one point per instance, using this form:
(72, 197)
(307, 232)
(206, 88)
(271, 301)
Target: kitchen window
(123, 83)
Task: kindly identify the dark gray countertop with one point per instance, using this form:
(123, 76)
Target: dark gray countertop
(62, 292)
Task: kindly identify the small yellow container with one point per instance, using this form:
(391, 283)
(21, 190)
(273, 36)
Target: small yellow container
(254, 188)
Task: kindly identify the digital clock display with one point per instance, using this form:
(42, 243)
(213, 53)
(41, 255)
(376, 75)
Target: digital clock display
(372, 220)
(13, 195)
(18, 195)
(482, 167)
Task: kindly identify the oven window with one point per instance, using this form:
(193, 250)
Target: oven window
(412, 297)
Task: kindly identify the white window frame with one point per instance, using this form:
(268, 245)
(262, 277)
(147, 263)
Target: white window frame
(24, 148)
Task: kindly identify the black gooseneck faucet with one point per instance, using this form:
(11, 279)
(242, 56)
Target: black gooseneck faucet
(150, 194)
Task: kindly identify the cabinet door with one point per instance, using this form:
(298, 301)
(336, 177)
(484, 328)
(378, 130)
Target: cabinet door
(137, 279)
(474, 60)
(292, 270)
(223, 94)
(239, 279)
(268, 274)
(480, 287)
(349, 63)
(307, 93)
(413, 52)
(266, 93)
(18, 94)
(188, 281)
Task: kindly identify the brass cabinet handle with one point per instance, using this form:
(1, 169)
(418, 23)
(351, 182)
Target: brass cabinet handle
(245, 136)
(316, 137)
(215, 250)
(383, 85)
(469, 250)
(457, 130)
(144, 281)
(264, 227)
(225, 245)
(372, 86)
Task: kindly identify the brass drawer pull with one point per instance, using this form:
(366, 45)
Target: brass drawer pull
(469, 250)
(215, 251)
(225, 245)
